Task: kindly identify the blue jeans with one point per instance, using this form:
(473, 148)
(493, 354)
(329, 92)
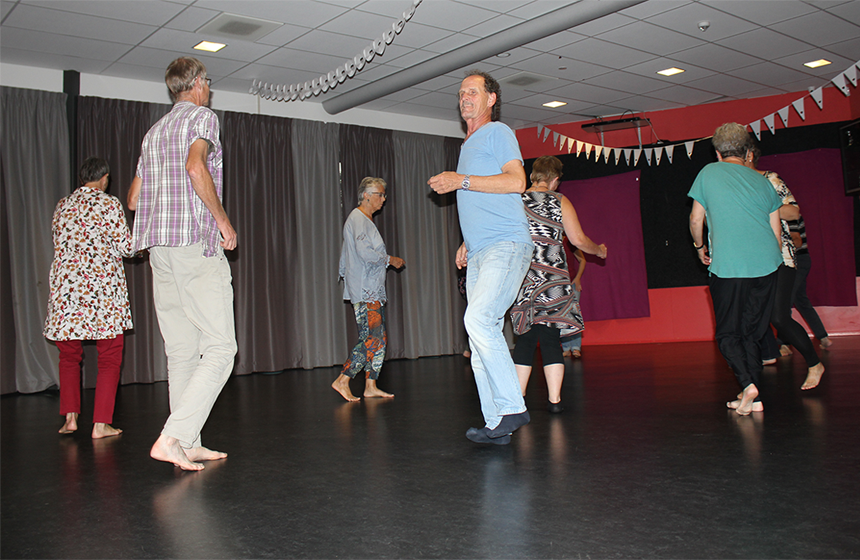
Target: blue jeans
(493, 278)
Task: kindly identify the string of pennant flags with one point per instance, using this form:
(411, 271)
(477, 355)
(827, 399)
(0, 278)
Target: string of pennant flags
(631, 156)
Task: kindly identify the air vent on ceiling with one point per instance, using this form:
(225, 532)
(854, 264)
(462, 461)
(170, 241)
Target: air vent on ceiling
(246, 28)
(526, 80)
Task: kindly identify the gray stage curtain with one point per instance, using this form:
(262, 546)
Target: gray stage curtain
(7, 311)
(34, 175)
(433, 309)
(113, 129)
(319, 231)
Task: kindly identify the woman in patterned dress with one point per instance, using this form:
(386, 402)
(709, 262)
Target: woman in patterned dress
(787, 328)
(89, 297)
(545, 307)
(363, 264)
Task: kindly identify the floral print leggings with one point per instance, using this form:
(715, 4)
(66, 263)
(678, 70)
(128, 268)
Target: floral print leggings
(369, 351)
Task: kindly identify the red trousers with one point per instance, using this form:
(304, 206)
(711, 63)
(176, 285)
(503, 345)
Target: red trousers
(110, 358)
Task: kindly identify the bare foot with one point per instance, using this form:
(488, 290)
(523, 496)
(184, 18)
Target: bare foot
(341, 385)
(71, 424)
(769, 362)
(167, 449)
(576, 353)
(371, 390)
(813, 377)
(203, 454)
(826, 343)
(102, 430)
(757, 406)
(785, 350)
(746, 404)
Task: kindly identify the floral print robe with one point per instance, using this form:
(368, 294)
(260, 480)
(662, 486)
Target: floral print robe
(89, 296)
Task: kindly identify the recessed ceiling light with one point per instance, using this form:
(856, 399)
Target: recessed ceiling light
(503, 55)
(670, 71)
(555, 104)
(209, 46)
(817, 63)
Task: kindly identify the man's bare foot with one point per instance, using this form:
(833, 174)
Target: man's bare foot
(826, 343)
(167, 449)
(71, 424)
(371, 390)
(746, 404)
(757, 406)
(102, 430)
(341, 385)
(785, 350)
(769, 362)
(203, 454)
(813, 377)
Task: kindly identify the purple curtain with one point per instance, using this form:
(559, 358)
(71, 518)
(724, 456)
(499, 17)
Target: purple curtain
(815, 179)
(608, 209)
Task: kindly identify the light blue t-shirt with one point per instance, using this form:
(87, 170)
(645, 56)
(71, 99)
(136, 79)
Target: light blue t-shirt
(487, 218)
(738, 202)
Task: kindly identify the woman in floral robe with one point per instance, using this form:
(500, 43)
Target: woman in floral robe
(89, 297)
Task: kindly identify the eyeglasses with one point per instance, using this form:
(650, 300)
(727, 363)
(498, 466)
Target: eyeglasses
(382, 194)
(208, 81)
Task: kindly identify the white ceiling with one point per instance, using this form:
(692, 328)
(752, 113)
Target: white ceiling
(605, 67)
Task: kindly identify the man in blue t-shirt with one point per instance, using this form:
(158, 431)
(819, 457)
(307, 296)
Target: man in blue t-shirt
(742, 211)
(489, 181)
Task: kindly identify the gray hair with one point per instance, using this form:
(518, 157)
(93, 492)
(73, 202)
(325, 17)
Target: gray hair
(732, 140)
(366, 184)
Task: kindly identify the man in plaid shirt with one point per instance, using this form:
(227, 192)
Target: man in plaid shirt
(176, 194)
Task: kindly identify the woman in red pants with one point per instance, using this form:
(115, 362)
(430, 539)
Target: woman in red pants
(89, 297)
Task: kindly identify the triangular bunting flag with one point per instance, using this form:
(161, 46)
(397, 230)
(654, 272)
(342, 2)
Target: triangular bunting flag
(648, 155)
(689, 145)
(570, 143)
(669, 151)
(579, 147)
(783, 116)
(588, 150)
(840, 82)
(562, 142)
(606, 152)
(618, 153)
(851, 74)
(554, 139)
(756, 128)
(545, 133)
(799, 107)
(597, 152)
(768, 120)
(658, 153)
(637, 152)
(540, 129)
(627, 153)
(818, 96)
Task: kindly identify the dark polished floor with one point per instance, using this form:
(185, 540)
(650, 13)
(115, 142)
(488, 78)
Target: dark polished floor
(645, 462)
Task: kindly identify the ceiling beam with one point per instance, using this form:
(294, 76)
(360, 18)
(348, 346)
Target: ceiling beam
(532, 30)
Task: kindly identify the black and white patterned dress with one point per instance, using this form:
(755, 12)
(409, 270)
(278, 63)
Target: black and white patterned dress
(546, 296)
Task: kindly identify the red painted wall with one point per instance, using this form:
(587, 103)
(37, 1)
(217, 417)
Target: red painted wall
(690, 123)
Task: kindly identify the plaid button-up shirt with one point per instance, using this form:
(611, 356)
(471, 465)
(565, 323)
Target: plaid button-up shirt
(169, 212)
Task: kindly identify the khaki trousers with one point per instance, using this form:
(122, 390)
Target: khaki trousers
(194, 303)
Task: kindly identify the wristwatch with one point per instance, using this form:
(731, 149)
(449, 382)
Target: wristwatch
(466, 183)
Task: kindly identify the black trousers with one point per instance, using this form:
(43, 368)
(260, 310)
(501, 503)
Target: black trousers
(787, 329)
(801, 301)
(742, 309)
(550, 346)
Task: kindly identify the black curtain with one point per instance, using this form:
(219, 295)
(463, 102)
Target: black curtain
(114, 129)
(7, 309)
(369, 152)
(260, 199)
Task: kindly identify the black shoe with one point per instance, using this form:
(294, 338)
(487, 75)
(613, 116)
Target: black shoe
(555, 407)
(481, 436)
(509, 424)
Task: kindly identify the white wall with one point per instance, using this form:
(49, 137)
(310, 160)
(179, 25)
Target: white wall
(138, 90)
